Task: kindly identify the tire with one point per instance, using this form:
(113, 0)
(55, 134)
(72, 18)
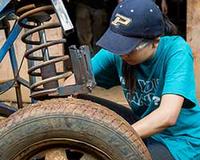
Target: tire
(69, 123)
(121, 110)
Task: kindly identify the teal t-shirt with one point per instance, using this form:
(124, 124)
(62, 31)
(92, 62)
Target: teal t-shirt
(169, 71)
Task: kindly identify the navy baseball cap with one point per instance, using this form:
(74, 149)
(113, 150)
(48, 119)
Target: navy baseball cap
(132, 22)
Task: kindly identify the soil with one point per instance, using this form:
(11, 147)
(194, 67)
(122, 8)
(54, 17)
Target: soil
(114, 94)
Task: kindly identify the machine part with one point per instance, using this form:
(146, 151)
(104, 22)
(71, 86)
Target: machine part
(11, 36)
(43, 66)
(67, 126)
(81, 66)
(14, 65)
(4, 86)
(36, 15)
(3, 4)
(6, 110)
(10, 40)
(82, 70)
(63, 16)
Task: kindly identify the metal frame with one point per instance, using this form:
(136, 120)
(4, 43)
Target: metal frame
(3, 4)
(11, 36)
(80, 58)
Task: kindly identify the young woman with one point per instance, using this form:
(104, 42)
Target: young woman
(157, 76)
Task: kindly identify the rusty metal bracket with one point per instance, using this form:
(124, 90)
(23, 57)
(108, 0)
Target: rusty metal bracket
(85, 82)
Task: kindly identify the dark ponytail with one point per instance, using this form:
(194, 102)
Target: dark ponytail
(170, 28)
(128, 74)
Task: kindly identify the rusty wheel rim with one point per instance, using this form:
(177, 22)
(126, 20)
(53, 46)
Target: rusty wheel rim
(62, 149)
(63, 154)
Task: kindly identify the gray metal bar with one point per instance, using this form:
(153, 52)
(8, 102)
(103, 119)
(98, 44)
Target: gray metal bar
(63, 16)
(49, 70)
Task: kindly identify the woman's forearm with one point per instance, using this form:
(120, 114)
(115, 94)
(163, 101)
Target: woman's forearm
(153, 123)
(161, 118)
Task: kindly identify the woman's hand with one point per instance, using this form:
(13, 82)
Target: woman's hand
(164, 7)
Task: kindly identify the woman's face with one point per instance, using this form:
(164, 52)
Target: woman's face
(140, 54)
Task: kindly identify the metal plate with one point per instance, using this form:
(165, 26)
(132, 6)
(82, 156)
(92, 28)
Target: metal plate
(63, 16)
(3, 4)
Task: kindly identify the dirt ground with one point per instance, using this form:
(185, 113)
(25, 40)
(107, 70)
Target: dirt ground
(114, 94)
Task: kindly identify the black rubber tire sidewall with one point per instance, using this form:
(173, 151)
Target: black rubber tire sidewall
(47, 122)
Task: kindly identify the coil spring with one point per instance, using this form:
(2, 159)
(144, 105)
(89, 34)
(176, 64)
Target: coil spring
(35, 18)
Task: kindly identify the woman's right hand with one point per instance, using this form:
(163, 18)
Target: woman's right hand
(164, 7)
